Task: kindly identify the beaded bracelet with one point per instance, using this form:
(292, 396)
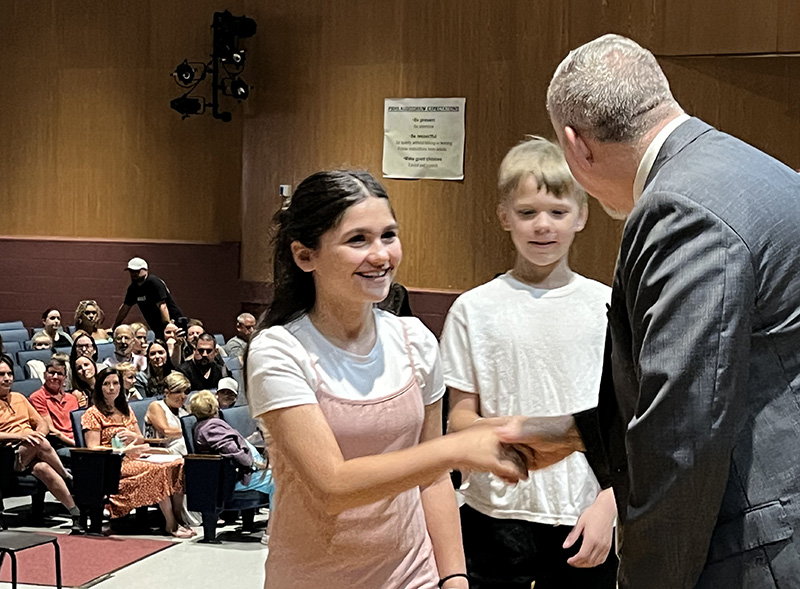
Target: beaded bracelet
(443, 580)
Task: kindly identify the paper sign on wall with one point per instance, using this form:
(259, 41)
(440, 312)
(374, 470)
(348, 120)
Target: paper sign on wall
(423, 138)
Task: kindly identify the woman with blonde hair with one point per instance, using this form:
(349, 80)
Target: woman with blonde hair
(89, 317)
(163, 418)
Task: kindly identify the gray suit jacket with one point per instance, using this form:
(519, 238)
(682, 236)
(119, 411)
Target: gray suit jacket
(704, 439)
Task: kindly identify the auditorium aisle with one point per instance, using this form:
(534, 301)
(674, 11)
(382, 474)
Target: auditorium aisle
(186, 564)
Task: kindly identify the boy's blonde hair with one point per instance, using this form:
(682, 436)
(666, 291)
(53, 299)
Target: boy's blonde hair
(203, 405)
(124, 367)
(536, 156)
(40, 337)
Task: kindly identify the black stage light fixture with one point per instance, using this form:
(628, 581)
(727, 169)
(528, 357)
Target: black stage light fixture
(226, 65)
(236, 88)
(184, 73)
(187, 105)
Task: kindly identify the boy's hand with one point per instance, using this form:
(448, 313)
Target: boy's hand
(596, 525)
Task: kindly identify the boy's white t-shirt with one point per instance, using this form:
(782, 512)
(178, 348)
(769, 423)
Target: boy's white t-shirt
(534, 352)
(286, 364)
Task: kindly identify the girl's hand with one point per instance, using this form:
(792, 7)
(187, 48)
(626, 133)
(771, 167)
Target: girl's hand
(481, 450)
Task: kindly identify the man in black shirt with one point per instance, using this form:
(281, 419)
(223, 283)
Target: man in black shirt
(153, 297)
(201, 370)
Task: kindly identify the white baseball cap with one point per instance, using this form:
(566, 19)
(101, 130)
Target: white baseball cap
(228, 384)
(137, 264)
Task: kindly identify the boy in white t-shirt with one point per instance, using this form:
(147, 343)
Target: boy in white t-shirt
(530, 342)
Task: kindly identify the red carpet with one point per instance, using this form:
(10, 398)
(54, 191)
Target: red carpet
(83, 559)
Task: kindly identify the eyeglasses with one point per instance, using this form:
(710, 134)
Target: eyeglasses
(55, 374)
(205, 352)
(83, 346)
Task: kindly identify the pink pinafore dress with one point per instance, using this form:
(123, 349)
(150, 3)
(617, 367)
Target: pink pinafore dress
(383, 545)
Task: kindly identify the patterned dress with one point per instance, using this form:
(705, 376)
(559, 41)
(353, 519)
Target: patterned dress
(141, 483)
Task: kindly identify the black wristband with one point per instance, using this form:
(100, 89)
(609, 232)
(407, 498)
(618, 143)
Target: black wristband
(453, 576)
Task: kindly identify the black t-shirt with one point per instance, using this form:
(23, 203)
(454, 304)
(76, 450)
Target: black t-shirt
(196, 375)
(148, 295)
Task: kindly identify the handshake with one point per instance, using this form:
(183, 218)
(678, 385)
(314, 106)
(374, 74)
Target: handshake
(511, 446)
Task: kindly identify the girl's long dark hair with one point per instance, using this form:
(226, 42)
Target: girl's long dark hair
(99, 401)
(317, 206)
(155, 382)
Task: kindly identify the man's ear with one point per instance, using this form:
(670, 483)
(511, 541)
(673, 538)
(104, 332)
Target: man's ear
(303, 256)
(581, 151)
(503, 214)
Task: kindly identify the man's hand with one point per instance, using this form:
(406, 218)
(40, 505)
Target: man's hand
(549, 439)
(34, 438)
(596, 525)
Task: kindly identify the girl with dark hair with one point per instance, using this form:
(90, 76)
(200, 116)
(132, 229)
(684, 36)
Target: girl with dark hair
(89, 317)
(141, 482)
(51, 320)
(352, 396)
(150, 382)
(84, 373)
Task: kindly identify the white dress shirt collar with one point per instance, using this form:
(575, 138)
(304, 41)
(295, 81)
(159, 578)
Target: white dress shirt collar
(651, 153)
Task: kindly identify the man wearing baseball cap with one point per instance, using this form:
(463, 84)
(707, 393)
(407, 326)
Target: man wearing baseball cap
(227, 392)
(152, 295)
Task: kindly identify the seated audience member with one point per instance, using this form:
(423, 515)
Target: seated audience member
(150, 382)
(127, 373)
(123, 344)
(84, 371)
(227, 392)
(141, 482)
(39, 341)
(244, 329)
(194, 330)
(139, 338)
(51, 319)
(213, 435)
(54, 404)
(83, 344)
(89, 317)
(163, 418)
(26, 431)
(175, 340)
(202, 371)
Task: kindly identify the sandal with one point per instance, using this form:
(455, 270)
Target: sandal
(182, 533)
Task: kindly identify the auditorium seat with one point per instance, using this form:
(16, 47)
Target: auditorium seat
(104, 350)
(9, 325)
(11, 348)
(15, 335)
(27, 387)
(24, 356)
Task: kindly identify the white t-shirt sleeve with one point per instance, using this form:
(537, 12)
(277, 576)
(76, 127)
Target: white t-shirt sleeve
(459, 370)
(280, 372)
(425, 351)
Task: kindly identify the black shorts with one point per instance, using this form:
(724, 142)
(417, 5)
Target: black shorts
(513, 554)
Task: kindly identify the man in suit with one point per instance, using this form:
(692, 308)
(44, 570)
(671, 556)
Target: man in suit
(701, 427)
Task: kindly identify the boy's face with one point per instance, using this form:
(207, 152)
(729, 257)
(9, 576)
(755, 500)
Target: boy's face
(542, 226)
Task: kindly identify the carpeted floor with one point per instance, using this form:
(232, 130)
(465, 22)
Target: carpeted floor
(83, 559)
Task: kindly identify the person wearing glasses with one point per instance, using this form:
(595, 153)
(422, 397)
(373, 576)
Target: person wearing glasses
(89, 317)
(202, 371)
(54, 404)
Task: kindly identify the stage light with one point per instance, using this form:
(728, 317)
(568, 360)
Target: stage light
(186, 105)
(184, 73)
(236, 88)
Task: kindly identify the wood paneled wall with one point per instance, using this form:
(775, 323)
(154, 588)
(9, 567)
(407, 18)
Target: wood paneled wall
(326, 67)
(90, 146)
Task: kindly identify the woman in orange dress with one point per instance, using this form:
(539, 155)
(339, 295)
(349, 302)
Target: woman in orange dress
(141, 483)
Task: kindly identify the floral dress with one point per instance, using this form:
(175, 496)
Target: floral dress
(141, 483)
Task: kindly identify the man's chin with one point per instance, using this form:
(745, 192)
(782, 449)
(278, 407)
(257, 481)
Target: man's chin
(613, 213)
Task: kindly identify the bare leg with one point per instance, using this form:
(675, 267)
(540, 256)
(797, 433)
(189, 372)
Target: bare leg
(44, 452)
(177, 507)
(54, 483)
(169, 515)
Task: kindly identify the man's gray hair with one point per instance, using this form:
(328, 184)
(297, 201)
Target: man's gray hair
(611, 88)
(243, 317)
